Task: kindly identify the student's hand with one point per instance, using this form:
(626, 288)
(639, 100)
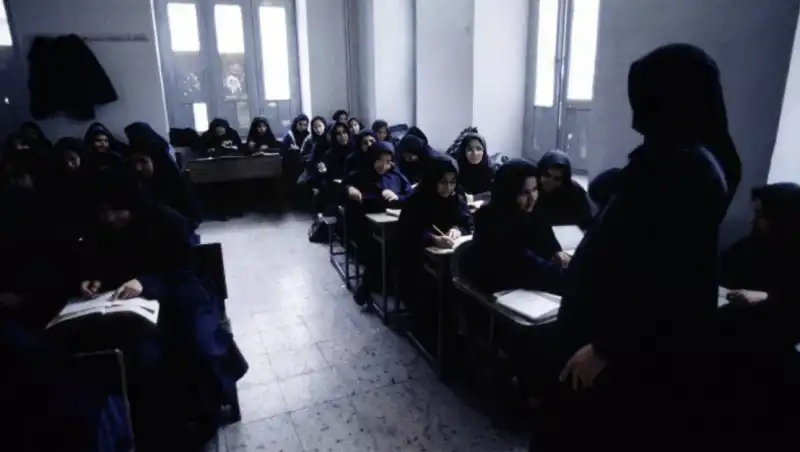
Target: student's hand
(470, 198)
(583, 368)
(354, 194)
(10, 300)
(294, 147)
(130, 289)
(90, 288)
(443, 242)
(251, 144)
(389, 195)
(321, 167)
(562, 259)
(746, 296)
(454, 233)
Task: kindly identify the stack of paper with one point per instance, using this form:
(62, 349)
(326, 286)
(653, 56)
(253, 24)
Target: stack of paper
(569, 237)
(531, 305)
(103, 304)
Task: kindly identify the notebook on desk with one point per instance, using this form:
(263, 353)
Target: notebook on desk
(456, 243)
(569, 237)
(531, 305)
(103, 304)
(393, 212)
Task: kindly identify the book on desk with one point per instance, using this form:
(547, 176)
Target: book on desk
(104, 304)
(532, 305)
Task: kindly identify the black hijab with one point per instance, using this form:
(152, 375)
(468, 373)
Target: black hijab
(604, 186)
(142, 134)
(213, 141)
(34, 135)
(475, 178)
(114, 145)
(780, 206)
(676, 97)
(507, 184)
(299, 137)
(415, 171)
(266, 139)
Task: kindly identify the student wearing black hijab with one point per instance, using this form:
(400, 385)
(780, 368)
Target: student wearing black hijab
(355, 126)
(143, 135)
(220, 139)
(359, 156)
(101, 151)
(34, 136)
(562, 201)
(473, 161)
(296, 135)
(512, 247)
(335, 157)
(70, 187)
(638, 327)
(414, 158)
(317, 135)
(376, 188)
(260, 137)
(381, 129)
(340, 116)
(326, 167)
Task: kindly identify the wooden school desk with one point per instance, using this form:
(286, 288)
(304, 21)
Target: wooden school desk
(381, 224)
(235, 168)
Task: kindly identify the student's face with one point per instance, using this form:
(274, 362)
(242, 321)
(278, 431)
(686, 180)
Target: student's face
(526, 199)
(409, 157)
(446, 185)
(143, 164)
(367, 142)
(219, 131)
(72, 160)
(101, 142)
(113, 217)
(318, 127)
(302, 126)
(354, 127)
(341, 135)
(383, 164)
(760, 222)
(342, 118)
(552, 179)
(19, 145)
(261, 128)
(382, 134)
(474, 151)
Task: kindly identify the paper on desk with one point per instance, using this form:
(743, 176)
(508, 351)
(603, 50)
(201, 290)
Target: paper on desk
(456, 243)
(532, 305)
(568, 236)
(393, 212)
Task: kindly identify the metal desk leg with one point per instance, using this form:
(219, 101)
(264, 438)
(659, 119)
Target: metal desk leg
(384, 294)
(440, 323)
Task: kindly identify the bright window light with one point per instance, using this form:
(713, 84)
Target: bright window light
(230, 32)
(200, 112)
(546, 45)
(5, 29)
(583, 49)
(274, 52)
(183, 30)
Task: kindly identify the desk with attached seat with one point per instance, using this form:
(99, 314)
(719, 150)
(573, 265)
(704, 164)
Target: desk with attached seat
(381, 223)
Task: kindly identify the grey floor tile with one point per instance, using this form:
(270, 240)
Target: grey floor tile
(275, 434)
(291, 363)
(290, 337)
(314, 388)
(259, 373)
(261, 401)
(332, 426)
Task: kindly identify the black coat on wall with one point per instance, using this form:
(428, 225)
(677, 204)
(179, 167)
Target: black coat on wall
(65, 76)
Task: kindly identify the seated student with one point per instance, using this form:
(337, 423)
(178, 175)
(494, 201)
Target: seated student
(220, 139)
(381, 129)
(473, 162)
(414, 157)
(112, 143)
(100, 154)
(355, 126)
(748, 266)
(373, 189)
(260, 137)
(318, 126)
(562, 201)
(436, 214)
(327, 164)
(359, 156)
(512, 248)
(340, 116)
(137, 248)
(70, 187)
(34, 136)
(333, 162)
(296, 135)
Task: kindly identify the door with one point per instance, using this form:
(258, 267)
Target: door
(566, 45)
(231, 59)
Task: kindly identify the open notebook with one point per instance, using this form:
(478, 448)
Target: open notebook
(531, 305)
(103, 304)
(569, 237)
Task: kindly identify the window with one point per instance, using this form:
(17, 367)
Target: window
(230, 32)
(546, 45)
(5, 29)
(183, 30)
(200, 114)
(583, 49)
(274, 52)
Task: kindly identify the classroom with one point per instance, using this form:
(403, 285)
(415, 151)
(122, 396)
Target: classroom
(399, 225)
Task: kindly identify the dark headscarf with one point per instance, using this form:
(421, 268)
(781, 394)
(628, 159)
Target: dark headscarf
(299, 137)
(558, 159)
(114, 145)
(380, 148)
(508, 182)
(604, 186)
(338, 113)
(360, 138)
(475, 178)
(437, 167)
(411, 144)
(780, 206)
(34, 136)
(267, 138)
(65, 145)
(676, 97)
(142, 134)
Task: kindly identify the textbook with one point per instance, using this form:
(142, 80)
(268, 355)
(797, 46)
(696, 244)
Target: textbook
(103, 304)
(569, 237)
(532, 305)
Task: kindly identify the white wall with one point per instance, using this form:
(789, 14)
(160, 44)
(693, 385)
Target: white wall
(444, 68)
(303, 59)
(785, 165)
(133, 67)
(751, 42)
(366, 60)
(500, 70)
(393, 63)
(327, 56)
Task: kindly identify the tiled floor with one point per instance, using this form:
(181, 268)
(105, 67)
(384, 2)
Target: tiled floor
(324, 376)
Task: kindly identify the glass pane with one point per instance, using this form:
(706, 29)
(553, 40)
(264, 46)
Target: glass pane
(274, 52)
(230, 31)
(183, 30)
(200, 113)
(583, 49)
(234, 82)
(546, 44)
(243, 115)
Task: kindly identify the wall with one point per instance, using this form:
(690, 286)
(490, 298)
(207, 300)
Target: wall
(751, 42)
(500, 72)
(393, 62)
(327, 56)
(444, 51)
(303, 59)
(133, 67)
(365, 47)
(785, 165)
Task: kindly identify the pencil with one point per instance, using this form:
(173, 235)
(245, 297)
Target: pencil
(439, 231)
